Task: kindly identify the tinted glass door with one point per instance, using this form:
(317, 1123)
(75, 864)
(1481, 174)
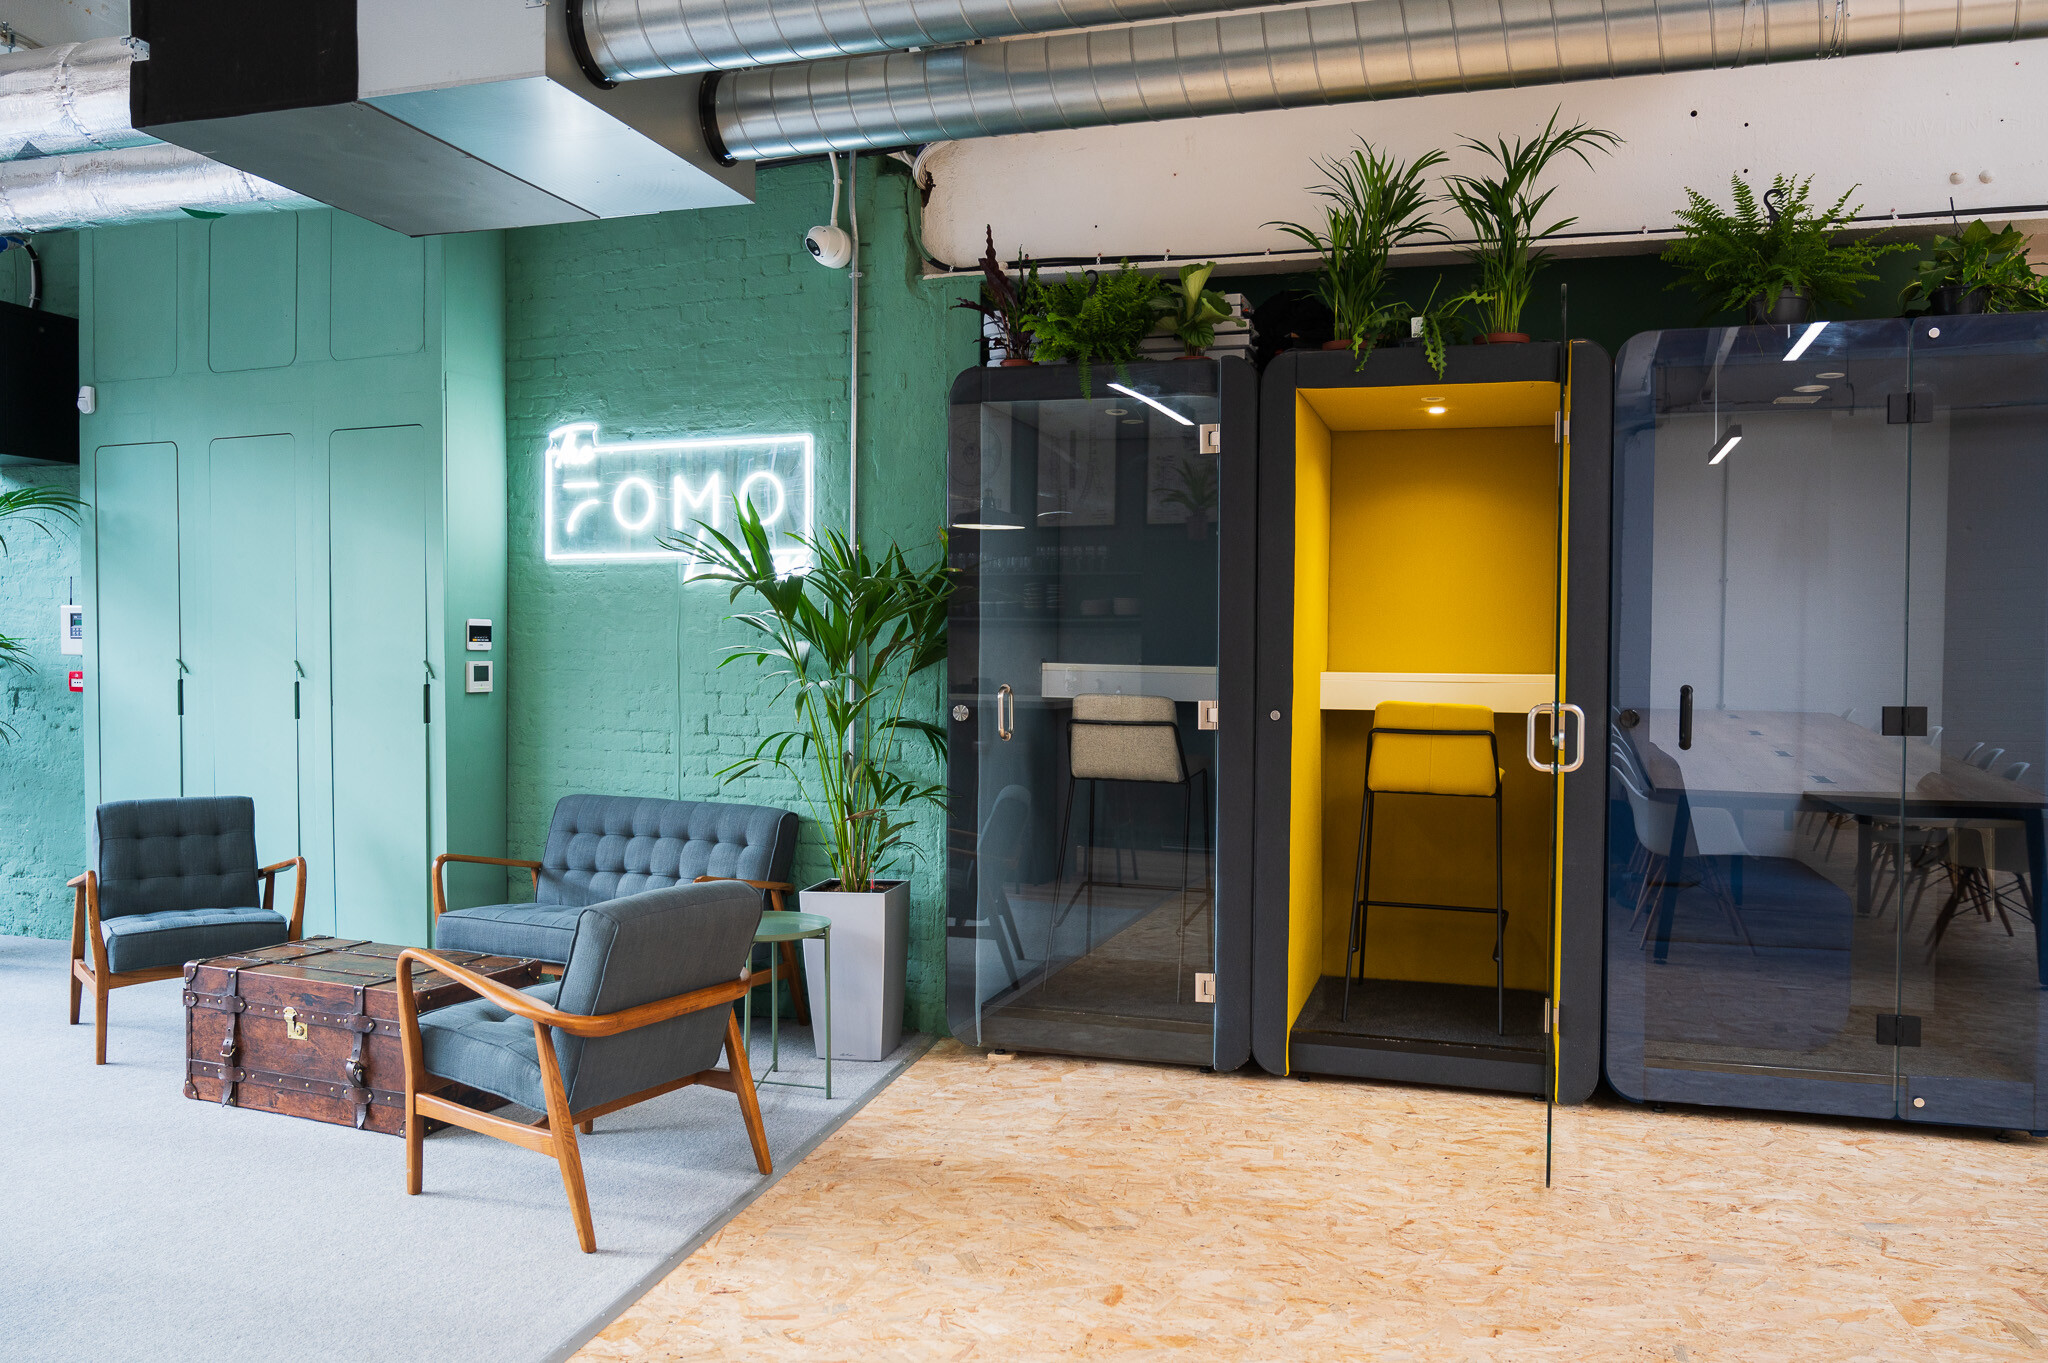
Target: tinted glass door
(1081, 909)
(1765, 509)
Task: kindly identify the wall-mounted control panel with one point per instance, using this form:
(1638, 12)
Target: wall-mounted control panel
(70, 629)
(476, 679)
(479, 636)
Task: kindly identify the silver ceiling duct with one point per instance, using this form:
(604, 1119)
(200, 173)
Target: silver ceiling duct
(1324, 54)
(135, 184)
(633, 39)
(56, 100)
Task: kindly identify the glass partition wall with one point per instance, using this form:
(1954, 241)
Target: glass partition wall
(1830, 703)
(1082, 694)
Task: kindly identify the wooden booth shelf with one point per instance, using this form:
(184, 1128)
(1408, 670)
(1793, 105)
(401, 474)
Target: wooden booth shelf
(1431, 541)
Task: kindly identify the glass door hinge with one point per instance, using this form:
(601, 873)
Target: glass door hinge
(1205, 987)
(1212, 437)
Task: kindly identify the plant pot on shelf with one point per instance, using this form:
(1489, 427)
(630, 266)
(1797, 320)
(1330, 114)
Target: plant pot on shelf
(870, 934)
(1789, 308)
(1953, 300)
(1336, 345)
(1016, 361)
(1507, 338)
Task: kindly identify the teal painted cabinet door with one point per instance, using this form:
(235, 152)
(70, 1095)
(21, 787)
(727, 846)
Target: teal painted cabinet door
(246, 674)
(135, 529)
(382, 489)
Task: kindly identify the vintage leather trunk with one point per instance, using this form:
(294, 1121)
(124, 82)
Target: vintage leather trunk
(311, 1028)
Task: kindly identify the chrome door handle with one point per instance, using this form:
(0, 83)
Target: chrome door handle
(1553, 713)
(1005, 729)
(1579, 747)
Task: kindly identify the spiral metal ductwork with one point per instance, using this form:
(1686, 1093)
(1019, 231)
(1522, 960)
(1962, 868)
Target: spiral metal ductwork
(1324, 54)
(634, 39)
(135, 184)
(73, 98)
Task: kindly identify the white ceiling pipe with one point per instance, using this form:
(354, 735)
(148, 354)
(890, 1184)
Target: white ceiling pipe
(57, 100)
(632, 39)
(134, 184)
(1289, 58)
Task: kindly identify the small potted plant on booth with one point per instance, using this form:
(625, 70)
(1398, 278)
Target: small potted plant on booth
(1006, 301)
(1192, 310)
(1504, 210)
(1977, 270)
(1776, 258)
(1092, 319)
(844, 640)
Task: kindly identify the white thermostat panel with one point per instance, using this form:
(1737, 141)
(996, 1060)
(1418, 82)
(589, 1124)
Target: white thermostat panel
(479, 636)
(478, 679)
(71, 627)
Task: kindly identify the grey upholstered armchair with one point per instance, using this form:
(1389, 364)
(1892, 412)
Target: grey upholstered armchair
(603, 846)
(643, 1007)
(171, 881)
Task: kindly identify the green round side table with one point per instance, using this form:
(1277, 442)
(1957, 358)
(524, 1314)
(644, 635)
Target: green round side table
(788, 927)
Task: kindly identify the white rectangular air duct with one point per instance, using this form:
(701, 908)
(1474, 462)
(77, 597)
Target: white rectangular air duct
(425, 116)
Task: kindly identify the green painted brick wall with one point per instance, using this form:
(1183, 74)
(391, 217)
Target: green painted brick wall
(711, 323)
(42, 803)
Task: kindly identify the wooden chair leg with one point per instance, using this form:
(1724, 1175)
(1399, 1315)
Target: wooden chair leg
(99, 1020)
(562, 1136)
(793, 972)
(415, 1144)
(589, 1126)
(743, 1087)
(77, 996)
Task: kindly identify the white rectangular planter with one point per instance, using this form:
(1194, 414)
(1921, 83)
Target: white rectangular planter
(870, 940)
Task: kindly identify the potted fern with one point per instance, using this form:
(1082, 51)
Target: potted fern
(1006, 301)
(1373, 203)
(1777, 258)
(843, 642)
(1977, 270)
(1192, 309)
(1092, 319)
(1504, 211)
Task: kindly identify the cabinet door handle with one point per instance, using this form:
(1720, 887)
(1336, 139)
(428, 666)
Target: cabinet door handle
(426, 702)
(1005, 728)
(1685, 717)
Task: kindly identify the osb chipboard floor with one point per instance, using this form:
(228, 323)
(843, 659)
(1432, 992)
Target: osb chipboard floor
(1043, 1208)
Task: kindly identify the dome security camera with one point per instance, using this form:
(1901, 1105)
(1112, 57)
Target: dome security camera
(829, 246)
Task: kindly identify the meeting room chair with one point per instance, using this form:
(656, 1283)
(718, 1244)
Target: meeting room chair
(643, 1008)
(1712, 834)
(1133, 740)
(171, 881)
(1419, 749)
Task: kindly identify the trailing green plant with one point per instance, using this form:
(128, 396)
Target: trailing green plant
(38, 506)
(1504, 211)
(1978, 258)
(1768, 245)
(843, 640)
(1442, 324)
(1093, 319)
(1006, 301)
(1192, 309)
(1374, 203)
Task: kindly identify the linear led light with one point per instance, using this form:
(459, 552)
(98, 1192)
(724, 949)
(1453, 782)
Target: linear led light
(1152, 403)
(1730, 438)
(982, 525)
(1806, 338)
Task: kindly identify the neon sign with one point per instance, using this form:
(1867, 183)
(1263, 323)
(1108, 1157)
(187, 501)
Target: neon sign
(615, 501)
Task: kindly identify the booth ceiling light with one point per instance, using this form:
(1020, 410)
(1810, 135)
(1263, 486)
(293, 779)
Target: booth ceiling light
(1806, 338)
(1730, 438)
(1438, 411)
(1152, 403)
(983, 525)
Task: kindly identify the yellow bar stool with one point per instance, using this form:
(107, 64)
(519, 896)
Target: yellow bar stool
(1422, 749)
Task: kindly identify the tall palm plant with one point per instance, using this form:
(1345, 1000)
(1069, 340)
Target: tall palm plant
(1374, 204)
(37, 506)
(1504, 212)
(842, 640)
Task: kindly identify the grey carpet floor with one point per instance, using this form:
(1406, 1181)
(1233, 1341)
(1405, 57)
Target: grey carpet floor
(137, 1224)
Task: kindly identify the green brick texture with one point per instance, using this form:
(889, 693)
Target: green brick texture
(714, 322)
(42, 801)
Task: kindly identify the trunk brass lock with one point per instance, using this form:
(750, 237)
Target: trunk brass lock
(294, 1028)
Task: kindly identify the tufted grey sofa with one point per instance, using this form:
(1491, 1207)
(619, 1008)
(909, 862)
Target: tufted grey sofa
(605, 847)
(171, 881)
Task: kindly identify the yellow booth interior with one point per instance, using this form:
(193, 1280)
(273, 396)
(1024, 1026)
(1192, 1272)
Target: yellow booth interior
(1427, 533)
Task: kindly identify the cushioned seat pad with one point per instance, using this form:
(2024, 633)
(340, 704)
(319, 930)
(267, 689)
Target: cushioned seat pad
(141, 941)
(491, 1049)
(542, 932)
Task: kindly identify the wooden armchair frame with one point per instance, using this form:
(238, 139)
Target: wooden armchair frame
(555, 1133)
(441, 894)
(792, 962)
(85, 925)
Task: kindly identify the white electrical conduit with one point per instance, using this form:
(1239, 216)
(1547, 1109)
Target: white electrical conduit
(633, 39)
(138, 184)
(56, 100)
(1321, 54)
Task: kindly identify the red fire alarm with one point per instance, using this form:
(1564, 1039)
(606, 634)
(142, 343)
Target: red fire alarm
(78, 681)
